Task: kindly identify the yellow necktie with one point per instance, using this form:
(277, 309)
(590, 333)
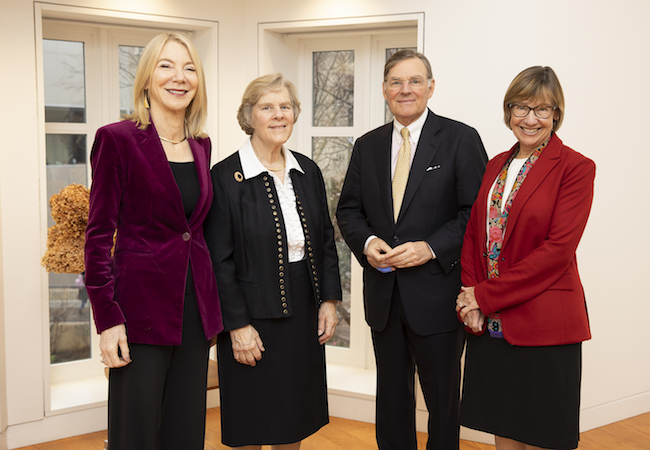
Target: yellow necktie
(401, 175)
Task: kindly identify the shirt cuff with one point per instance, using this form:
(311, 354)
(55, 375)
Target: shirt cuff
(365, 246)
(433, 254)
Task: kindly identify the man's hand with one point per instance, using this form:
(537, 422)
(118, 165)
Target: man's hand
(376, 253)
(408, 254)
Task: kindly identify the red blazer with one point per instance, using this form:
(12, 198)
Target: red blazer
(538, 292)
(143, 285)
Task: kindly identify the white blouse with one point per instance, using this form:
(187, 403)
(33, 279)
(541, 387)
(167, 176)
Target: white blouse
(252, 166)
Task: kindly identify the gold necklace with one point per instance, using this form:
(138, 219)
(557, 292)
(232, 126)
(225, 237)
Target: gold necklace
(279, 168)
(171, 141)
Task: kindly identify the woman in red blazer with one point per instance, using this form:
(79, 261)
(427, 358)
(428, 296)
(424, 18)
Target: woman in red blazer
(520, 278)
(154, 297)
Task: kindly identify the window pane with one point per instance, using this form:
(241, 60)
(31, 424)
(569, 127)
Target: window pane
(66, 149)
(388, 115)
(69, 318)
(69, 306)
(129, 57)
(333, 89)
(64, 81)
(332, 154)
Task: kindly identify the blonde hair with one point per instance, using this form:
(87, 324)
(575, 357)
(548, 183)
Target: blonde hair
(256, 89)
(535, 83)
(197, 111)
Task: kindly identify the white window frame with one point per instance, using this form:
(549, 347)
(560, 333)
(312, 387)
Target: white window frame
(89, 37)
(102, 31)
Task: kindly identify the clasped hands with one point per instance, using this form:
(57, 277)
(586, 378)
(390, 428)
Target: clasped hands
(380, 255)
(468, 309)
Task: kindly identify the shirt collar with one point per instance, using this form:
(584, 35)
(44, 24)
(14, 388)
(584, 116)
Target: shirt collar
(252, 167)
(415, 128)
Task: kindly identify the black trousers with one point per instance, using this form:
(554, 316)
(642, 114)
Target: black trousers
(158, 401)
(398, 351)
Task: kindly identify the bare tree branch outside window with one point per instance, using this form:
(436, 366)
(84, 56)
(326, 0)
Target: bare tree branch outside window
(129, 57)
(333, 89)
(332, 154)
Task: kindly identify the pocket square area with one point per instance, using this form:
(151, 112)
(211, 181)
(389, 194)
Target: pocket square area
(430, 168)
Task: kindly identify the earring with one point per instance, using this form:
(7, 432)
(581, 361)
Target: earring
(146, 100)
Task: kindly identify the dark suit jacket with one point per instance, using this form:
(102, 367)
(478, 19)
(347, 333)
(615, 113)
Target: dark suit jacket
(250, 252)
(538, 290)
(143, 285)
(442, 185)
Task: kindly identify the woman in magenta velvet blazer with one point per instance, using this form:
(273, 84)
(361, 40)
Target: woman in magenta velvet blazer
(520, 278)
(154, 296)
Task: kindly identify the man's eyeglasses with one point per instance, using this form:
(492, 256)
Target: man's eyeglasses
(395, 84)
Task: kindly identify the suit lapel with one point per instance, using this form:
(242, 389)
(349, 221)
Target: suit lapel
(427, 148)
(382, 153)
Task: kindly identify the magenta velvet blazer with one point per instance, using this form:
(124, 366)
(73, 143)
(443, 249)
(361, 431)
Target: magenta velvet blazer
(538, 292)
(143, 285)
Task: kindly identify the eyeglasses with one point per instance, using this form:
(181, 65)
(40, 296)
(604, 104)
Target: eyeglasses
(542, 111)
(395, 84)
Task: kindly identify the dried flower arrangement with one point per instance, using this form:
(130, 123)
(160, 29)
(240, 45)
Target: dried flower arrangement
(66, 239)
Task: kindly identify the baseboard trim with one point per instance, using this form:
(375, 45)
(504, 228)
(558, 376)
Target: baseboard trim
(614, 411)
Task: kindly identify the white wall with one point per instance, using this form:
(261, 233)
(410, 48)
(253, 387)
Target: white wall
(3, 372)
(598, 48)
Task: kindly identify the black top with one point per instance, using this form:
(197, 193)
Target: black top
(188, 183)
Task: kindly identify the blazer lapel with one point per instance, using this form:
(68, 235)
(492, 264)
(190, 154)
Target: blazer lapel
(482, 201)
(427, 148)
(547, 161)
(202, 171)
(155, 155)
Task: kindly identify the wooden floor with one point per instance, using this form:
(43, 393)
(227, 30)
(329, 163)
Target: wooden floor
(632, 434)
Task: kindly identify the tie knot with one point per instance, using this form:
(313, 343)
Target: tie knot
(405, 133)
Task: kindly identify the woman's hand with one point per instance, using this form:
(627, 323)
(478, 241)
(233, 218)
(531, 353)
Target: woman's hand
(110, 340)
(468, 309)
(327, 320)
(247, 346)
(475, 321)
(466, 301)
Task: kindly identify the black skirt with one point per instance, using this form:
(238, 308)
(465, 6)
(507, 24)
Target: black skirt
(529, 394)
(283, 399)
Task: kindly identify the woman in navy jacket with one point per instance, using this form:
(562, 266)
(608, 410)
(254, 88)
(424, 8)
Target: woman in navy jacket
(154, 296)
(273, 249)
(520, 278)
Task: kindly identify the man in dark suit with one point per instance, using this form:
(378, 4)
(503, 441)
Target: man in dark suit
(403, 209)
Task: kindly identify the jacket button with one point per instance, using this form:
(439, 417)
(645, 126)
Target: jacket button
(395, 238)
(186, 236)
